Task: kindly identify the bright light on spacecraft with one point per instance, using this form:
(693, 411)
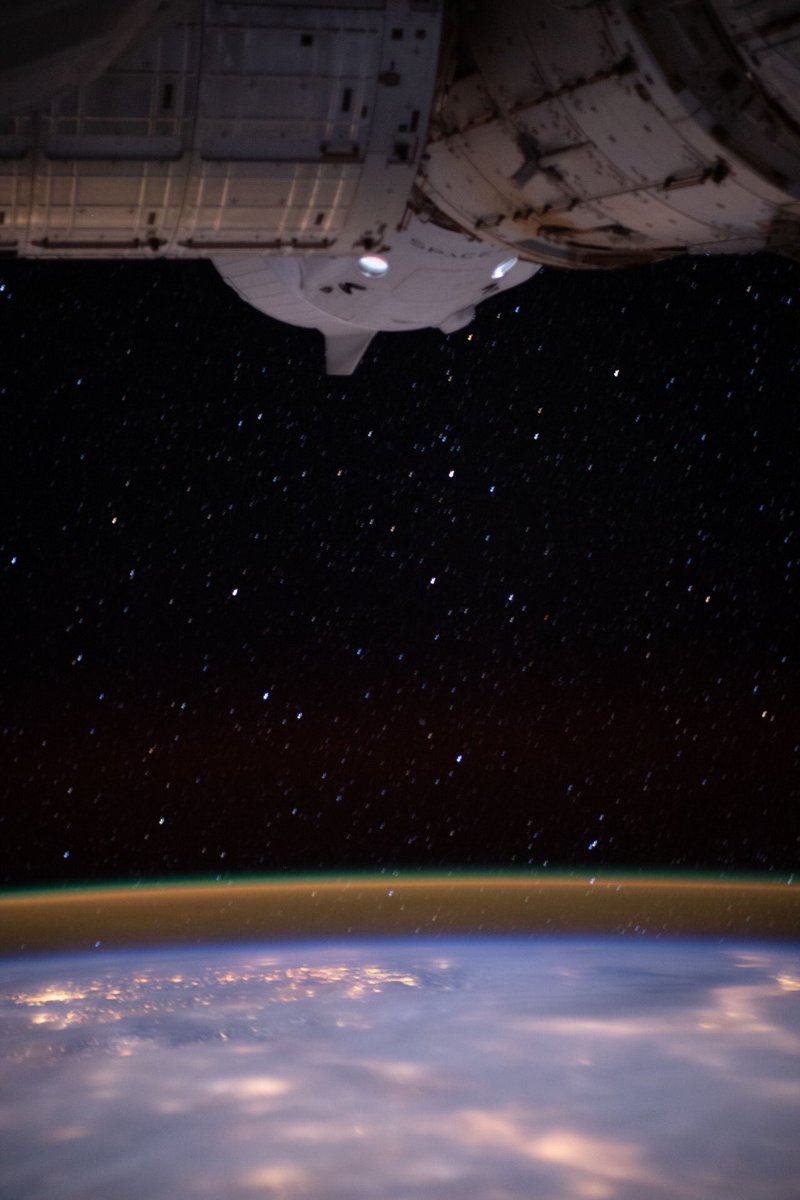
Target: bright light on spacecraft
(373, 267)
(504, 267)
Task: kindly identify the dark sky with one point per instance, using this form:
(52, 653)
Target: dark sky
(523, 595)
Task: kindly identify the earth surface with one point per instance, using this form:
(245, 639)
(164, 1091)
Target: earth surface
(493, 1069)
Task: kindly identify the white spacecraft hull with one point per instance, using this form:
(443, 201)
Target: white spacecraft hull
(387, 164)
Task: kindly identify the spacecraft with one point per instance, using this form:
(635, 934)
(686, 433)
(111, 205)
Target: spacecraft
(389, 164)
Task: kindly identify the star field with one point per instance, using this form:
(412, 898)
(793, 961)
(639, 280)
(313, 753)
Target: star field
(524, 595)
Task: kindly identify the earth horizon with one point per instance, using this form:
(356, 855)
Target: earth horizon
(499, 1063)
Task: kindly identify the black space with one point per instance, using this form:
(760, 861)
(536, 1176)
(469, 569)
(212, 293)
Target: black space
(523, 595)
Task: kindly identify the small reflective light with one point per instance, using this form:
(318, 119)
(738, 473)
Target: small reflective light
(504, 267)
(372, 266)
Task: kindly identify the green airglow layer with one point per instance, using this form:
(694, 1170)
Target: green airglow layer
(391, 904)
(487, 876)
